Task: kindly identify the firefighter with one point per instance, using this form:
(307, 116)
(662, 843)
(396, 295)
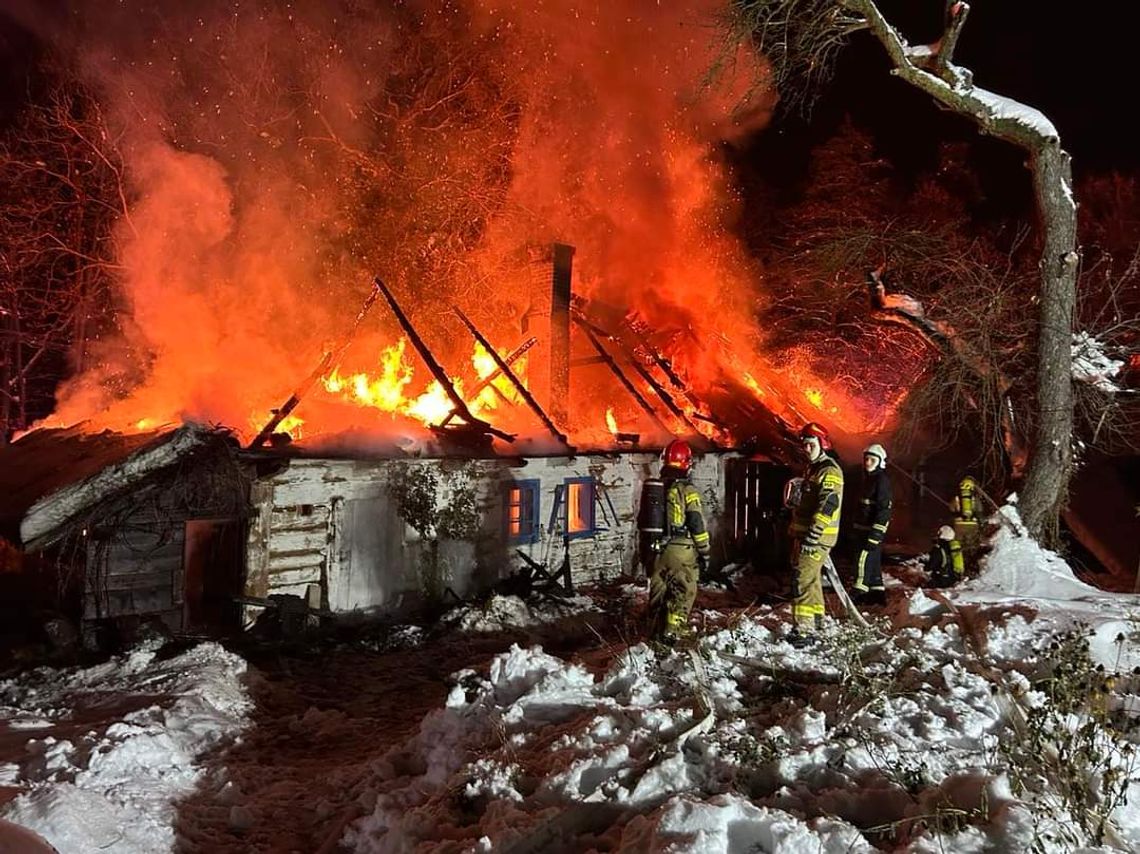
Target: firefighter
(874, 516)
(814, 530)
(967, 525)
(944, 564)
(684, 551)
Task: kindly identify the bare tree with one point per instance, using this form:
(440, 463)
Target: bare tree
(61, 180)
(823, 24)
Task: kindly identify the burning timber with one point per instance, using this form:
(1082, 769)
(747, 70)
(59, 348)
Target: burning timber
(189, 528)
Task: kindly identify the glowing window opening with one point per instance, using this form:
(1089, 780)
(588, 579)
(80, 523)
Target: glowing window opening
(522, 510)
(578, 515)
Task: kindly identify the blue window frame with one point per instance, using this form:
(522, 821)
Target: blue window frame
(521, 499)
(578, 518)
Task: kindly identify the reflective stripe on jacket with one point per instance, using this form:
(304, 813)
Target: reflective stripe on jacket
(945, 559)
(684, 520)
(875, 506)
(816, 517)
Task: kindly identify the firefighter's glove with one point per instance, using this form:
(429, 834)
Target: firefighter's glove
(703, 565)
(809, 547)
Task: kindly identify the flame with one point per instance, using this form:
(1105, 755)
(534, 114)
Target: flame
(388, 389)
(753, 384)
(224, 255)
(433, 405)
(385, 391)
(611, 422)
(290, 424)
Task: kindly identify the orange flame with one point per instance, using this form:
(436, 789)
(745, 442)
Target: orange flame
(611, 422)
(223, 299)
(387, 390)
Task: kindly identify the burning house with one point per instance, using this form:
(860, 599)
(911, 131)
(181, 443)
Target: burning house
(498, 399)
(202, 531)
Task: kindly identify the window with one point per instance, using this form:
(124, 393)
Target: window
(522, 511)
(579, 513)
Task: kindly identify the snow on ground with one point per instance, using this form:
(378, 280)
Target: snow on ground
(1019, 571)
(502, 613)
(982, 727)
(101, 754)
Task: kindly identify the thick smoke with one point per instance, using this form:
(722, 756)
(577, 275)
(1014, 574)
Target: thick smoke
(280, 155)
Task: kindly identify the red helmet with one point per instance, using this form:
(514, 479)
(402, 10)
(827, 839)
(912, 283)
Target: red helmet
(818, 431)
(678, 454)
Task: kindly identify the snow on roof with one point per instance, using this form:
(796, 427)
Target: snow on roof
(44, 461)
(122, 464)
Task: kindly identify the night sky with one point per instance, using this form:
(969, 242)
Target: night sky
(1077, 63)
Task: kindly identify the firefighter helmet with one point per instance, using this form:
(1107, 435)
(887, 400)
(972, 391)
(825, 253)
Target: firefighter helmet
(876, 450)
(678, 454)
(814, 430)
(946, 533)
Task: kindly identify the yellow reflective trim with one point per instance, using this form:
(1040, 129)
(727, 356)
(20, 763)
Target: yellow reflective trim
(700, 538)
(692, 498)
(804, 610)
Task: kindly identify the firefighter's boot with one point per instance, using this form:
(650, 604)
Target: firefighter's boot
(676, 629)
(799, 639)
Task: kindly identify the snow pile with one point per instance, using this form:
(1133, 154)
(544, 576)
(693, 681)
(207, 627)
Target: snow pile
(503, 613)
(863, 741)
(111, 748)
(1092, 365)
(1018, 570)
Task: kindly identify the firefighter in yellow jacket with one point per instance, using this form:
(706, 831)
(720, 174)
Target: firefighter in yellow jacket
(967, 521)
(684, 552)
(814, 530)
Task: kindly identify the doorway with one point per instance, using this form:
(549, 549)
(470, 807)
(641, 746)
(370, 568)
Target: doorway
(212, 562)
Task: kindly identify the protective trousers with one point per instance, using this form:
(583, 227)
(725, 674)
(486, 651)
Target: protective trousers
(969, 534)
(869, 567)
(807, 586)
(672, 586)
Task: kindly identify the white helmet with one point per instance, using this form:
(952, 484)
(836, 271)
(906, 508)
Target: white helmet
(946, 533)
(876, 450)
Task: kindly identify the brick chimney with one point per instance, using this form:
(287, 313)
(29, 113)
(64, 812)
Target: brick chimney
(548, 318)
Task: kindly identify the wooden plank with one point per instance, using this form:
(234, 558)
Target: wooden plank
(129, 564)
(292, 542)
(127, 603)
(257, 545)
(436, 369)
(149, 581)
(308, 562)
(294, 589)
(515, 381)
(328, 359)
(295, 575)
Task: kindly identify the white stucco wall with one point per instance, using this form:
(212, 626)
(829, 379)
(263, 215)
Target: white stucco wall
(335, 523)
